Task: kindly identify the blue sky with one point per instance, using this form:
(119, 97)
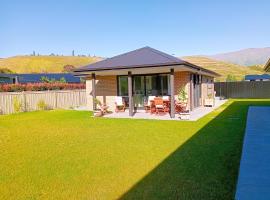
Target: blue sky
(107, 28)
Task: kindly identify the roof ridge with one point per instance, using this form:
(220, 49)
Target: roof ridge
(162, 53)
(118, 55)
(125, 53)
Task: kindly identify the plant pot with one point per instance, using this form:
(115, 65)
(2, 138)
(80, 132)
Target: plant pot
(209, 102)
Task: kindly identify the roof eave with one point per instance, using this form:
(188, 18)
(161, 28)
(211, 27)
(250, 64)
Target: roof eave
(267, 66)
(83, 72)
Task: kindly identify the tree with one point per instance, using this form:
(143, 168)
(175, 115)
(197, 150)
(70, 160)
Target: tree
(182, 94)
(68, 68)
(62, 80)
(45, 79)
(73, 53)
(5, 71)
(230, 78)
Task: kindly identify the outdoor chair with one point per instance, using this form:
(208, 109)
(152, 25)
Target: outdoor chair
(120, 105)
(148, 105)
(180, 107)
(166, 103)
(159, 105)
(165, 98)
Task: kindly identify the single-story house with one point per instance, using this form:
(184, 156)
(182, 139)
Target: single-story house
(145, 72)
(36, 78)
(7, 78)
(263, 77)
(267, 66)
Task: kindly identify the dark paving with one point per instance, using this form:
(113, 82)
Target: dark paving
(254, 175)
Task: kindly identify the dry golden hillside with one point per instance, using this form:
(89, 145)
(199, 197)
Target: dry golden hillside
(45, 64)
(222, 68)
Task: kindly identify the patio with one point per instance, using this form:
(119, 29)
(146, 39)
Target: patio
(194, 115)
(137, 75)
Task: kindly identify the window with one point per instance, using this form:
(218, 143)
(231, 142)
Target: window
(148, 85)
(123, 86)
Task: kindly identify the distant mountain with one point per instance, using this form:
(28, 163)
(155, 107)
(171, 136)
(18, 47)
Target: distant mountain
(223, 68)
(245, 57)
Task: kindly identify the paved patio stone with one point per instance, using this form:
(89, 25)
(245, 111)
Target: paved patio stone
(194, 115)
(254, 175)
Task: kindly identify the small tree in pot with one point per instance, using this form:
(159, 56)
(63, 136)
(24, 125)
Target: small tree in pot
(209, 101)
(182, 95)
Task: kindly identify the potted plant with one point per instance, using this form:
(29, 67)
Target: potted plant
(209, 101)
(182, 95)
(102, 108)
(181, 107)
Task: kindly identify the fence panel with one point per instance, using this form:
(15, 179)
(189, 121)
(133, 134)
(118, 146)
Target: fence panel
(244, 89)
(53, 99)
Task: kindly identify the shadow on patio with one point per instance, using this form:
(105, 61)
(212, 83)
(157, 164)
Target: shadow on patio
(206, 166)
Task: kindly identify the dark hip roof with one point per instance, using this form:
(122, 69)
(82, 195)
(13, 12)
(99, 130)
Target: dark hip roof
(140, 58)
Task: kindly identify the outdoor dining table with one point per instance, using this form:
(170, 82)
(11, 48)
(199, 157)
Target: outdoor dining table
(179, 107)
(166, 102)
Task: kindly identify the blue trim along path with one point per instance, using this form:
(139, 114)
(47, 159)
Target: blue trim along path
(254, 175)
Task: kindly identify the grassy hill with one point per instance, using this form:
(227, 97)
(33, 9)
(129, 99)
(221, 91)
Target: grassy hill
(223, 68)
(38, 64)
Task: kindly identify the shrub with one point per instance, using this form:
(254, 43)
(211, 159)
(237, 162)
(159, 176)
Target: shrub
(44, 79)
(41, 105)
(17, 105)
(62, 80)
(5, 71)
(182, 94)
(68, 68)
(230, 78)
(40, 87)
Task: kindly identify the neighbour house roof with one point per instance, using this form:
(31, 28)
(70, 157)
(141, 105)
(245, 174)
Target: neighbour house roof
(140, 58)
(267, 66)
(7, 75)
(36, 78)
(257, 77)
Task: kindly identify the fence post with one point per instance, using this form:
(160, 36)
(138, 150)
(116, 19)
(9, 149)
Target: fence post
(24, 101)
(55, 105)
(79, 97)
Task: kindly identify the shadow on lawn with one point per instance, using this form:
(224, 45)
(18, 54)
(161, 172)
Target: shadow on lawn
(206, 166)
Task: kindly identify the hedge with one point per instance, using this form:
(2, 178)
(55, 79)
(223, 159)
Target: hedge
(40, 87)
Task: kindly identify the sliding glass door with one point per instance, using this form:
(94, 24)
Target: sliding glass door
(157, 85)
(138, 91)
(144, 86)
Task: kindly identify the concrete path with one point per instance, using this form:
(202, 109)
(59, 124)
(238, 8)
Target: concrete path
(254, 175)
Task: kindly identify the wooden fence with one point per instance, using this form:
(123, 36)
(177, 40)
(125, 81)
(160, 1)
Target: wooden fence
(244, 89)
(53, 100)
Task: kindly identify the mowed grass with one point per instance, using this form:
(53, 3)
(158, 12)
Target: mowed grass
(44, 64)
(71, 155)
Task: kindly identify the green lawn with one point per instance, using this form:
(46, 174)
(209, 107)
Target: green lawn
(70, 155)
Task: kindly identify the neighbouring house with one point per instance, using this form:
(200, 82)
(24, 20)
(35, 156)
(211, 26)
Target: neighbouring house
(145, 72)
(267, 66)
(36, 78)
(263, 77)
(8, 78)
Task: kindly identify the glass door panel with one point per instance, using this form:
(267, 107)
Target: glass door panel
(138, 91)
